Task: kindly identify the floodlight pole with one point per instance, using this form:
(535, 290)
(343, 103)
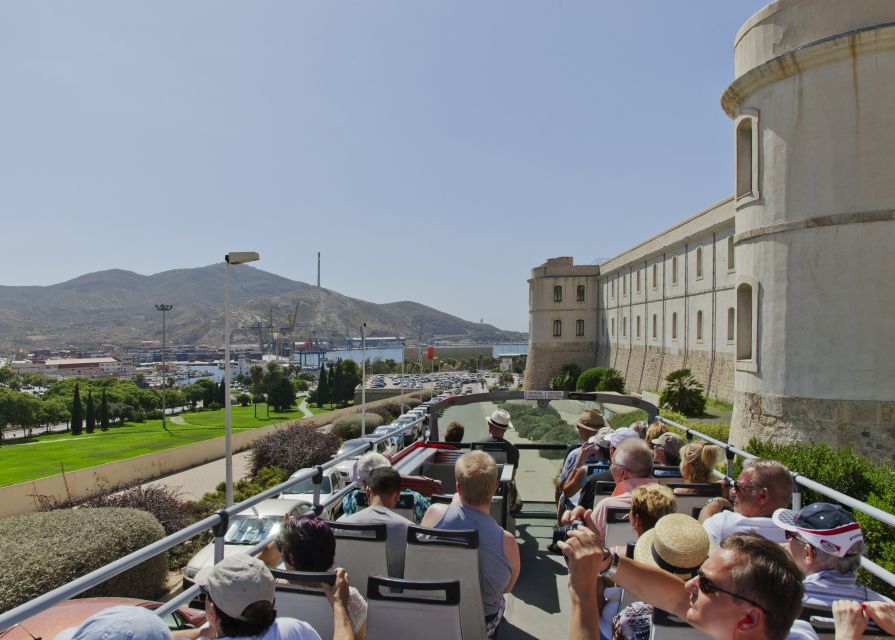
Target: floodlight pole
(164, 308)
(234, 257)
(363, 380)
(403, 358)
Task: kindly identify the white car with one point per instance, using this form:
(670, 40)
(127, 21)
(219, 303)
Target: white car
(331, 482)
(246, 529)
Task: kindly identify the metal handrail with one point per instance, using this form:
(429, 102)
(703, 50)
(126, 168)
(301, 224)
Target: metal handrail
(800, 480)
(94, 578)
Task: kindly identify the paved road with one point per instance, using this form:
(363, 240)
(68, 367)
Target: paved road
(194, 483)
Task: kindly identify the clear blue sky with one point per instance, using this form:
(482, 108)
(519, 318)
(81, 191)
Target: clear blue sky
(433, 151)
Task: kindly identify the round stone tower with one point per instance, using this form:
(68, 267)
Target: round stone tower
(814, 122)
(562, 319)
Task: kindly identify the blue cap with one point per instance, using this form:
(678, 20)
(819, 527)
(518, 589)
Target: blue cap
(123, 622)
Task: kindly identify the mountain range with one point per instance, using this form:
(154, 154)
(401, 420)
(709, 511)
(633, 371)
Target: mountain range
(117, 307)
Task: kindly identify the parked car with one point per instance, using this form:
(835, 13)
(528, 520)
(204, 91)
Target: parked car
(346, 467)
(246, 529)
(331, 482)
(71, 613)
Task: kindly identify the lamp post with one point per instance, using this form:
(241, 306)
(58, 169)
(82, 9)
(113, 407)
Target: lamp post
(403, 358)
(164, 308)
(234, 257)
(363, 380)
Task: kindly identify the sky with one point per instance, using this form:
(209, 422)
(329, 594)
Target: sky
(433, 151)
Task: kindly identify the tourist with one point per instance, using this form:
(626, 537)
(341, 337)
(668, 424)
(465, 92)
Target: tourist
(499, 562)
(653, 432)
(761, 488)
(826, 543)
(124, 622)
(362, 469)
(698, 460)
(589, 490)
(454, 433)
(667, 453)
(649, 503)
(589, 424)
(383, 488)
(498, 424)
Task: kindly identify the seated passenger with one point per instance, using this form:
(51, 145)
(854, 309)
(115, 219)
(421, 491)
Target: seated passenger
(124, 622)
(499, 563)
(667, 452)
(498, 424)
(307, 543)
(362, 469)
(649, 503)
(454, 433)
(826, 542)
(239, 602)
(631, 467)
(589, 490)
(762, 487)
(383, 489)
(698, 460)
(590, 423)
(653, 432)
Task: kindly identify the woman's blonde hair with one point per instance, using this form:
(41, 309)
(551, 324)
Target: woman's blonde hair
(655, 430)
(698, 460)
(650, 502)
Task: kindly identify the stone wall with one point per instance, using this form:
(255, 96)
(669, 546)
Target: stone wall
(545, 361)
(864, 425)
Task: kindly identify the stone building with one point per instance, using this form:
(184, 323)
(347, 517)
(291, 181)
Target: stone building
(780, 298)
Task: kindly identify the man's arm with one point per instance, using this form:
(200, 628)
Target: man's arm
(573, 482)
(714, 507)
(433, 516)
(511, 553)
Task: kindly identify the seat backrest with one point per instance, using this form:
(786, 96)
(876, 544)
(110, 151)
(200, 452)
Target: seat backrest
(395, 606)
(668, 627)
(452, 555)
(300, 599)
(443, 472)
(495, 451)
(687, 502)
(618, 528)
(361, 549)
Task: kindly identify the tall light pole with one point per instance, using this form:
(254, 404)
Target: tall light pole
(234, 257)
(164, 308)
(403, 358)
(363, 380)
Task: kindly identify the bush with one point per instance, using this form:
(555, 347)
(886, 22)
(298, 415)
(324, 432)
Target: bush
(628, 418)
(683, 393)
(214, 406)
(42, 551)
(588, 380)
(613, 380)
(386, 415)
(294, 448)
(717, 430)
(348, 427)
(541, 424)
(244, 489)
(243, 399)
(566, 379)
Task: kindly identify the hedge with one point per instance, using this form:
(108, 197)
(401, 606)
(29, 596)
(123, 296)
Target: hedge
(296, 447)
(43, 551)
(542, 424)
(348, 427)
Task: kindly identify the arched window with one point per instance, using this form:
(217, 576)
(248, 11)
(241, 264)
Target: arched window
(579, 327)
(654, 326)
(613, 326)
(731, 314)
(624, 285)
(613, 287)
(744, 322)
(557, 328)
(638, 281)
(579, 293)
(557, 293)
(674, 270)
(674, 326)
(730, 253)
(624, 327)
(638, 326)
(699, 325)
(698, 262)
(744, 157)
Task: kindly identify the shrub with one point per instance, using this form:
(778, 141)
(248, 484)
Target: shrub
(393, 407)
(348, 427)
(683, 393)
(244, 489)
(626, 419)
(386, 415)
(294, 448)
(243, 399)
(42, 551)
(214, 406)
(566, 379)
(718, 430)
(613, 380)
(560, 434)
(588, 380)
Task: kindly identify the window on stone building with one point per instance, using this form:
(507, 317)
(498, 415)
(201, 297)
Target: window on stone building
(613, 326)
(624, 327)
(745, 157)
(674, 326)
(638, 326)
(674, 270)
(638, 281)
(613, 287)
(730, 253)
(579, 328)
(698, 262)
(744, 322)
(557, 328)
(699, 325)
(654, 326)
(579, 293)
(624, 285)
(731, 315)
(557, 293)
(655, 276)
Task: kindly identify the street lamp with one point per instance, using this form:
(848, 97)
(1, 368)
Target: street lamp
(164, 308)
(363, 380)
(234, 257)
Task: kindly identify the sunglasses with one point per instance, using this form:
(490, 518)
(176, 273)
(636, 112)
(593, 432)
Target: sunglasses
(745, 487)
(792, 535)
(708, 588)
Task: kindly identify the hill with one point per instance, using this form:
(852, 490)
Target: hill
(118, 307)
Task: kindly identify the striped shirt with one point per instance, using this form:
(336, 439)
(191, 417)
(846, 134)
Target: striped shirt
(823, 587)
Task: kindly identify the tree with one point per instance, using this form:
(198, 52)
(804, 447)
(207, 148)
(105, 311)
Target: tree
(566, 379)
(322, 395)
(91, 416)
(256, 373)
(76, 413)
(683, 393)
(281, 394)
(104, 412)
(506, 378)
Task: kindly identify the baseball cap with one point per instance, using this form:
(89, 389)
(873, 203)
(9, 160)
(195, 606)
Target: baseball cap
(620, 435)
(123, 622)
(602, 437)
(825, 526)
(236, 582)
(671, 442)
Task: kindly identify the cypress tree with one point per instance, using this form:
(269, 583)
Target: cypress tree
(91, 415)
(77, 419)
(337, 393)
(219, 397)
(104, 412)
(323, 392)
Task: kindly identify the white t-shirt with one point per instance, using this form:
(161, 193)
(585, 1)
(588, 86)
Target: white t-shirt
(726, 523)
(287, 629)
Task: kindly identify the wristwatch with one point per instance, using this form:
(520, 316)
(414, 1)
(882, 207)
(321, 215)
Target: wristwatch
(610, 571)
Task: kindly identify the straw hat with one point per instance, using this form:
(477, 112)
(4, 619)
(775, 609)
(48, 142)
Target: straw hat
(677, 543)
(500, 419)
(592, 420)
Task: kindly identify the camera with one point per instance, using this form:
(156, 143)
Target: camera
(562, 533)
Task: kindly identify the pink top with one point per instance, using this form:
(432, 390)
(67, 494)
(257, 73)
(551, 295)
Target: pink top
(621, 497)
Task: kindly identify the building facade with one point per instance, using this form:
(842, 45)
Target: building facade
(781, 298)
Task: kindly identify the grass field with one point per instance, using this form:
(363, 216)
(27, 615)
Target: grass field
(44, 455)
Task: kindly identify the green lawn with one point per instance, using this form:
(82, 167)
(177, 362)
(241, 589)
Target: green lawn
(43, 455)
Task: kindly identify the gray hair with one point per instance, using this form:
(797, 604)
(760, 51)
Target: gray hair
(774, 476)
(845, 565)
(366, 463)
(634, 455)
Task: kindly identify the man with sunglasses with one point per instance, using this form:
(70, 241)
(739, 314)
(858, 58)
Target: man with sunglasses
(826, 543)
(749, 588)
(761, 488)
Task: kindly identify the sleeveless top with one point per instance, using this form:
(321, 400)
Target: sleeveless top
(494, 569)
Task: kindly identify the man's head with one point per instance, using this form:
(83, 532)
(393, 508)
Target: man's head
(498, 423)
(649, 503)
(589, 423)
(655, 430)
(366, 463)
(632, 459)
(762, 487)
(454, 432)
(476, 475)
(822, 536)
(384, 487)
(601, 439)
(747, 587)
(667, 449)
